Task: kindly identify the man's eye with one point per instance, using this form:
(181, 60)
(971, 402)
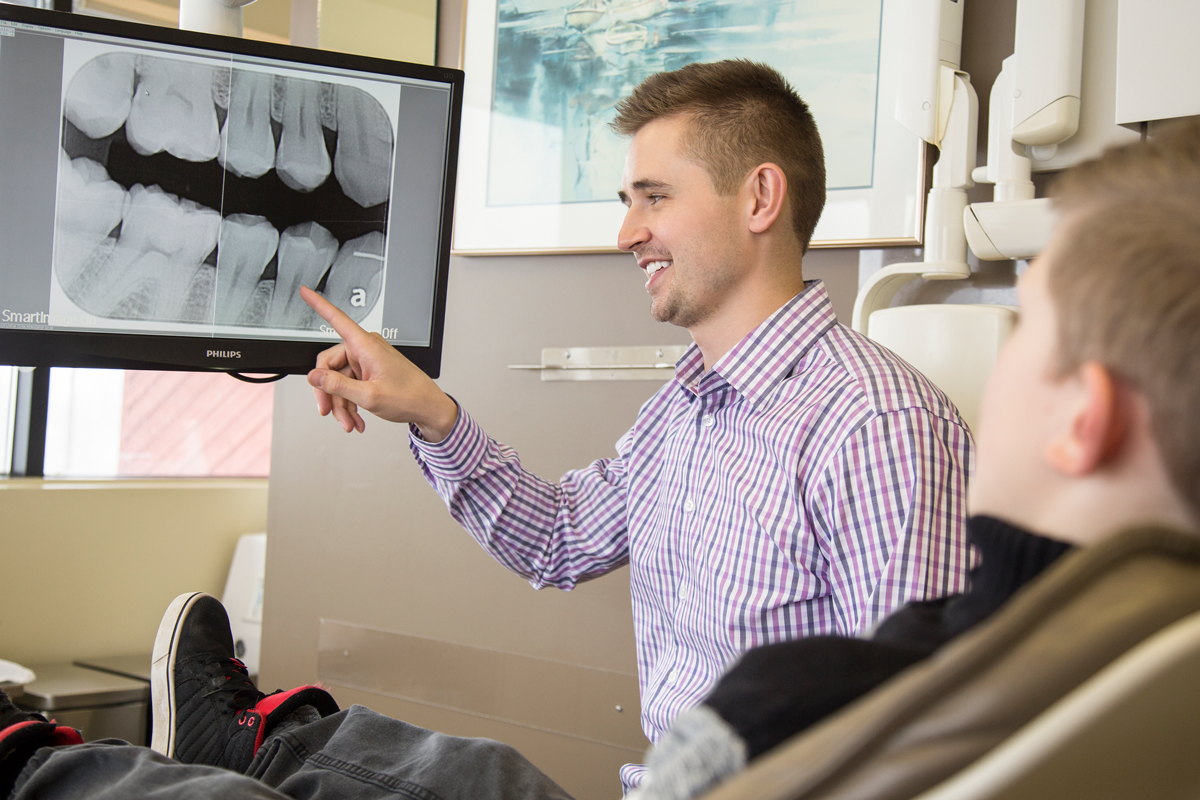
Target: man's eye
(654, 198)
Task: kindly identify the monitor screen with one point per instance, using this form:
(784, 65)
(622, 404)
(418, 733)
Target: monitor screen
(164, 194)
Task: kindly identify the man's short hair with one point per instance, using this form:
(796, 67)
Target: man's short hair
(1126, 286)
(741, 114)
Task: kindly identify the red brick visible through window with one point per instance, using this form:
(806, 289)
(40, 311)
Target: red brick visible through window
(195, 424)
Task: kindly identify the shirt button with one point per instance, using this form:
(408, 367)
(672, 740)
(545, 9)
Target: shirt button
(683, 592)
(688, 505)
(672, 676)
(708, 420)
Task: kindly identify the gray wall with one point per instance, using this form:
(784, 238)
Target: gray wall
(358, 540)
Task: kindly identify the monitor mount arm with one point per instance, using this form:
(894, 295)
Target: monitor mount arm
(945, 256)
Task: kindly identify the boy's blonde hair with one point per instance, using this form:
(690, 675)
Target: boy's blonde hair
(1127, 285)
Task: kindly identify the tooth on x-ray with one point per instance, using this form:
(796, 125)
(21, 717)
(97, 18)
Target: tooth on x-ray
(278, 96)
(327, 102)
(256, 311)
(161, 221)
(247, 144)
(151, 270)
(100, 94)
(90, 206)
(199, 296)
(302, 161)
(357, 276)
(248, 243)
(364, 147)
(305, 252)
(173, 110)
(222, 78)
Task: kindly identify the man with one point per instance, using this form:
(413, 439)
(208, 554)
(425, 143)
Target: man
(1087, 428)
(793, 479)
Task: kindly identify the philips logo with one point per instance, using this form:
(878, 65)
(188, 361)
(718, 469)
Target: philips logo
(224, 353)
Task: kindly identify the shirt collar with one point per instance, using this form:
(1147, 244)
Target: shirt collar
(767, 354)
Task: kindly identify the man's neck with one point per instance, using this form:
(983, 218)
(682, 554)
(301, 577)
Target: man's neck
(747, 307)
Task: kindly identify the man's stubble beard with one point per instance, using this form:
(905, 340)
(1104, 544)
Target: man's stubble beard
(679, 305)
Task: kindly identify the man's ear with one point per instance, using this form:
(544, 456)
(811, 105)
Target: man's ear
(1096, 425)
(767, 187)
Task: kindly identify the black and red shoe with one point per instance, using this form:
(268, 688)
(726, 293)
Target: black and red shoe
(23, 733)
(206, 708)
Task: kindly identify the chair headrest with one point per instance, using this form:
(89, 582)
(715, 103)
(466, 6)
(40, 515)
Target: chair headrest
(934, 719)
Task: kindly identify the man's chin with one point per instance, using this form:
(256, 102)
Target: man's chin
(660, 311)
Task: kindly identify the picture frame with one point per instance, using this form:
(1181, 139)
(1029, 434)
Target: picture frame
(539, 170)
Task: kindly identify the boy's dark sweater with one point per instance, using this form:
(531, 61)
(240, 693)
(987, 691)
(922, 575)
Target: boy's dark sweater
(774, 692)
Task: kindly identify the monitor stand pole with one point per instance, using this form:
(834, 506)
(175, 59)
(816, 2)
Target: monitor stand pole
(29, 423)
(223, 17)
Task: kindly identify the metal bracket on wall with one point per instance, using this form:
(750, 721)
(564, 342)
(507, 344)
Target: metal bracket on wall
(649, 363)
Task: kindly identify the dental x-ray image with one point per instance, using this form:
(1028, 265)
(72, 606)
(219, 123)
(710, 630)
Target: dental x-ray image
(191, 193)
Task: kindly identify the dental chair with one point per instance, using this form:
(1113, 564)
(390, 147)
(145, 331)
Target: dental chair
(1084, 684)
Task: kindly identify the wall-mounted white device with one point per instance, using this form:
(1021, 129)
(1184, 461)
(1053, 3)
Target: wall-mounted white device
(955, 346)
(1157, 60)
(923, 93)
(1034, 105)
(1046, 86)
(937, 102)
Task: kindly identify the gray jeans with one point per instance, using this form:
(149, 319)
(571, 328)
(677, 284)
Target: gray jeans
(355, 753)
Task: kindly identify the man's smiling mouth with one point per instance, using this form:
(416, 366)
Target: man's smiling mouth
(655, 266)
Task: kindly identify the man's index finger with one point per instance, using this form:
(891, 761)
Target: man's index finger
(348, 329)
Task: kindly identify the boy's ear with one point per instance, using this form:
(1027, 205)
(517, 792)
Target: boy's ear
(1095, 425)
(768, 190)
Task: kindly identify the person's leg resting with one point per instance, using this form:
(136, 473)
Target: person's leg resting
(359, 753)
(216, 714)
(116, 771)
(207, 711)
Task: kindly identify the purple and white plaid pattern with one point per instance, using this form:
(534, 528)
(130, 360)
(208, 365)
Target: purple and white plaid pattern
(809, 483)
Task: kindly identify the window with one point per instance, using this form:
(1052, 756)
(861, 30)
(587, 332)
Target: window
(125, 423)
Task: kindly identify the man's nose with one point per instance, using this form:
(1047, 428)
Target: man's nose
(633, 232)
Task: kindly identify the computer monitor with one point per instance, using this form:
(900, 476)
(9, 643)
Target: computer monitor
(164, 194)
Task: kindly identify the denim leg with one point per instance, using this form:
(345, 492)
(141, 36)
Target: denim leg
(357, 753)
(113, 770)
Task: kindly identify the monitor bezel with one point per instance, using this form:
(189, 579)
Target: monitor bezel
(49, 348)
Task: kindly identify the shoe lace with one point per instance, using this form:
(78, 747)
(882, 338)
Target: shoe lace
(231, 678)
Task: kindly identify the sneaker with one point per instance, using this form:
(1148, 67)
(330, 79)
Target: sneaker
(206, 708)
(22, 733)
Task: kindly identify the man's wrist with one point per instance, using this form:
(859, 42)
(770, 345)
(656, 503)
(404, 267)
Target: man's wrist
(456, 457)
(438, 425)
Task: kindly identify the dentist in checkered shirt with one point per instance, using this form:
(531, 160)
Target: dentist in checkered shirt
(794, 479)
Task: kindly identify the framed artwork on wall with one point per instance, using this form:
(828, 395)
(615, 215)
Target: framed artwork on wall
(539, 168)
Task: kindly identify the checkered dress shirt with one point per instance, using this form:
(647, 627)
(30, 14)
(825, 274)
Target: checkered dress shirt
(809, 483)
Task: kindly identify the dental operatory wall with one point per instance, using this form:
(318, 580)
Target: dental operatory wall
(89, 567)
